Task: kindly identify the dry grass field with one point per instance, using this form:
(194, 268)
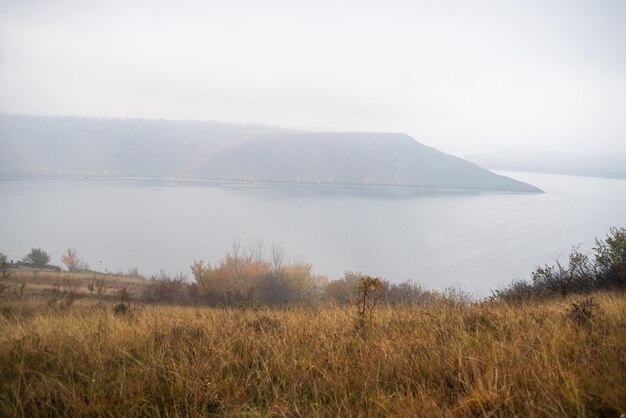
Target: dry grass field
(542, 359)
(41, 284)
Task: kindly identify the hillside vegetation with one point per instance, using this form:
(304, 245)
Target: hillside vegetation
(277, 340)
(492, 359)
(387, 159)
(71, 146)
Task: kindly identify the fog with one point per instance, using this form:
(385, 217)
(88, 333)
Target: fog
(464, 77)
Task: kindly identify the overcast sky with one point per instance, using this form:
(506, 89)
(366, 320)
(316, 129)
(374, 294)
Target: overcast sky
(462, 76)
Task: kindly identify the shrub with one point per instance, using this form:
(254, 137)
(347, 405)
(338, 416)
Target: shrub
(407, 293)
(164, 288)
(290, 284)
(576, 277)
(244, 278)
(72, 261)
(123, 306)
(343, 291)
(456, 297)
(610, 257)
(580, 275)
(37, 258)
(369, 292)
(5, 268)
(583, 312)
(519, 290)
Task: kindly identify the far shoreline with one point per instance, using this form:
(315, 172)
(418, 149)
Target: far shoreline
(282, 183)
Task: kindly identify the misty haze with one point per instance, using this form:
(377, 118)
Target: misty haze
(312, 208)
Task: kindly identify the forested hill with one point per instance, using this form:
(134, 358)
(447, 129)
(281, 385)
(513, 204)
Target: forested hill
(72, 146)
(352, 158)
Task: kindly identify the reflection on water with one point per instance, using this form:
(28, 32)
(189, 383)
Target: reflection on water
(317, 190)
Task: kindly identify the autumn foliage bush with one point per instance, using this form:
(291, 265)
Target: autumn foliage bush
(356, 346)
(604, 269)
(243, 278)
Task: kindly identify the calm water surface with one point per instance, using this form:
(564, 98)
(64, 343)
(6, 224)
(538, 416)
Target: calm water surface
(480, 241)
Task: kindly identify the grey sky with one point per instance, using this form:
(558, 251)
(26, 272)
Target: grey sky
(463, 76)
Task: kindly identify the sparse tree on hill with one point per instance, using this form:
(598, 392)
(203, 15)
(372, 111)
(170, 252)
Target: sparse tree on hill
(5, 272)
(72, 261)
(37, 258)
(611, 258)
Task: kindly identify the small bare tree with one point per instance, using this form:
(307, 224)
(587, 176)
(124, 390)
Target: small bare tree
(72, 261)
(5, 268)
(277, 259)
(369, 292)
(256, 249)
(19, 290)
(5, 273)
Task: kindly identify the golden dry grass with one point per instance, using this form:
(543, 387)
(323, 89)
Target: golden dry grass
(39, 284)
(484, 360)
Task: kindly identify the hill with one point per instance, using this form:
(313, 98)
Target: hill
(71, 146)
(588, 165)
(388, 159)
(74, 146)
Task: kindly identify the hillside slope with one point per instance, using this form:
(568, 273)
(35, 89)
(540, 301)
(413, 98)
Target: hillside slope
(74, 146)
(352, 158)
(71, 146)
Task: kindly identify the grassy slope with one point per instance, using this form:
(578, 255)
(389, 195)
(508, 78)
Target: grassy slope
(492, 359)
(43, 284)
